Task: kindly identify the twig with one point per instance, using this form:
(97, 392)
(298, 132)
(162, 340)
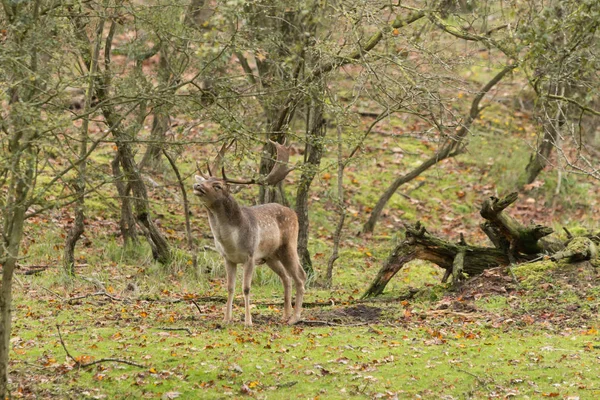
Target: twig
(481, 381)
(327, 323)
(89, 364)
(286, 384)
(164, 328)
(64, 346)
(197, 306)
(71, 299)
(53, 292)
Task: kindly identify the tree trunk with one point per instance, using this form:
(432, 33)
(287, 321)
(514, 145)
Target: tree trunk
(312, 153)
(160, 125)
(450, 147)
(126, 221)
(78, 225)
(337, 236)
(539, 159)
(160, 247)
(14, 220)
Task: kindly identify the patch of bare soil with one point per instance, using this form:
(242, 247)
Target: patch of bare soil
(494, 281)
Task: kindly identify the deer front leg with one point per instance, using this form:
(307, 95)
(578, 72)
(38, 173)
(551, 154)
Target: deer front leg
(248, 272)
(230, 269)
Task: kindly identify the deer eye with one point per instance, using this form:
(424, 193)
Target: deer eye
(218, 186)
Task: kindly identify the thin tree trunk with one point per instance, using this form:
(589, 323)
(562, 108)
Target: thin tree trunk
(186, 210)
(20, 174)
(337, 236)
(539, 159)
(127, 221)
(313, 153)
(450, 147)
(160, 247)
(78, 225)
(14, 213)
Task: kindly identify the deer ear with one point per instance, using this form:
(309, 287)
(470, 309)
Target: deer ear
(199, 179)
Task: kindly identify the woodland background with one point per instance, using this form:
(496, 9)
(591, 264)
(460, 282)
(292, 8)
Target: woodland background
(398, 112)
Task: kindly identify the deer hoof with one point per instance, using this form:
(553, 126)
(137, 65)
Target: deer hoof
(294, 320)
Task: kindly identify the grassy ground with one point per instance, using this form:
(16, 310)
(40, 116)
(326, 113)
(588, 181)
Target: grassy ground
(489, 339)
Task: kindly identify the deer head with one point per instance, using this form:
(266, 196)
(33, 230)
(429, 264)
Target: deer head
(210, 190)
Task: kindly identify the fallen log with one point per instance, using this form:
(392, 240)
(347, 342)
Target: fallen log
(513, 243)
(455, 258)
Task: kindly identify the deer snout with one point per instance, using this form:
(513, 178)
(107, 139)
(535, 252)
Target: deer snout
(199, 188)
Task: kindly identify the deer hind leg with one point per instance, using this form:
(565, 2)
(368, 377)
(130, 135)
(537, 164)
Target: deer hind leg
(248, 272)
(230, 269)
(279, 269)
(292, 265)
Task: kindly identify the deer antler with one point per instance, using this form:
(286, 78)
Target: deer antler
(277, 174)
(218, 160)
(280, 169)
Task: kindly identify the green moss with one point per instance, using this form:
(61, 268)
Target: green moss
(532, 273)
(431, 293)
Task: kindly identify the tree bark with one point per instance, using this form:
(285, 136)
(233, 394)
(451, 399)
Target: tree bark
(79, 222)
(419, 244)
(337, 235)
(160, 246)
(450, 147)
(550, 139)
(312, 153)
(127, 220)
(503, 229)
(13, 231)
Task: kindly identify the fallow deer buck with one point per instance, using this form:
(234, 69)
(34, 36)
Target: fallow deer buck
(252, 235)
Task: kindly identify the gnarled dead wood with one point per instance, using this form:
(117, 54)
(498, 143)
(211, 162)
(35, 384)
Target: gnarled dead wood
(513, 243)
(420, 244)
(503, 229)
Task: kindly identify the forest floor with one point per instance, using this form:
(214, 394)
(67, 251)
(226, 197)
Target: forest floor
(490, 338)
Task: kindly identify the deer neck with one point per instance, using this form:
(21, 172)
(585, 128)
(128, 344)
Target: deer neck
(225, 213)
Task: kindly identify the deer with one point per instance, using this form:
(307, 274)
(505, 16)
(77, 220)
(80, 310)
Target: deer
(266, 233)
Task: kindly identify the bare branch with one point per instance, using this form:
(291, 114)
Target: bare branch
(575, 102)
(89, 364)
